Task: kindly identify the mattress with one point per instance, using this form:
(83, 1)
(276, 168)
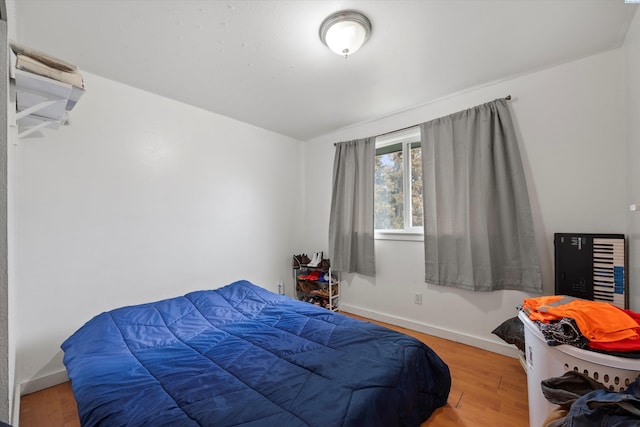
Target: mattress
(241, 355)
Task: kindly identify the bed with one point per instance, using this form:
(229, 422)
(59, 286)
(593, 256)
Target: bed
(241, 355)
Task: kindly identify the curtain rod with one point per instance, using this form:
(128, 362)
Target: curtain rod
(508, 98)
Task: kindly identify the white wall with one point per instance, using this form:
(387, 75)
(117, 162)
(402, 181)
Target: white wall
(139, 199)
(571, 122)
(632, 92)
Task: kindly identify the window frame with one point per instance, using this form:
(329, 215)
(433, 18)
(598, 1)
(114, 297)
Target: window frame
(406, 137)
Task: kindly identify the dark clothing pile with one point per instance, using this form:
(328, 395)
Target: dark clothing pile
(584, 402)
(563, 331)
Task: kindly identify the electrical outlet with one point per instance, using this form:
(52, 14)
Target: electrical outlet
(417, 298)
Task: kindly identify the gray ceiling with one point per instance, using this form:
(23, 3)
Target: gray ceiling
(262, 62)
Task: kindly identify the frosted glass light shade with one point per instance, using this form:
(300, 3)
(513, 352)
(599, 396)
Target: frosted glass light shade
(346, 37)
(345, 32)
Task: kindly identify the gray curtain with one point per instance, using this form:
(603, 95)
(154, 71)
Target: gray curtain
(351, 236)
(478, 227)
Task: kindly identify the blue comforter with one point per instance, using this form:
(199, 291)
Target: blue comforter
(243, 356)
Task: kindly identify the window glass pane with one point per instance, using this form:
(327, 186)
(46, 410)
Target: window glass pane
(416, 185)
(389, 206)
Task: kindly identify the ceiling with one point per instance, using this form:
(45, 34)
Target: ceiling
(262, 62)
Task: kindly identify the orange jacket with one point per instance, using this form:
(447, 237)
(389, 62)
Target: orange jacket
(598, 321)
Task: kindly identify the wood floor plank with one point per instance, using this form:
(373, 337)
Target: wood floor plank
(54, 407)
(487, 389)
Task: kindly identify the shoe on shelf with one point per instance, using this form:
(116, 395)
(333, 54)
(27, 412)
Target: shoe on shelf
(324, 264)
(310, 261)
(301, 260)
(315, 261)
(314, 276)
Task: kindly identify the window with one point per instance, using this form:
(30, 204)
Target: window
(398, 184)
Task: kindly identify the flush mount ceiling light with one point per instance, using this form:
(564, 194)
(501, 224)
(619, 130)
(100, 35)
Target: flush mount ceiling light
(345, 32)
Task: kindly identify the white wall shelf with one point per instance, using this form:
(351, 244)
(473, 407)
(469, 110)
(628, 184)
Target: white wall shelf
(40, 101)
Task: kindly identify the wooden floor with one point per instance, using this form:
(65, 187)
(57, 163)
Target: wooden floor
(487, 389)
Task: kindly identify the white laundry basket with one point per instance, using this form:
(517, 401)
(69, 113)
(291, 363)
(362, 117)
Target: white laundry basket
(544, 361)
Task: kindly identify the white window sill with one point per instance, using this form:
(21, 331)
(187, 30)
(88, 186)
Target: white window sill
(414, 236)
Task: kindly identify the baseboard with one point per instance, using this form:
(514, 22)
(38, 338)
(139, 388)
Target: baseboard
(46, 381)
(483, 343)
